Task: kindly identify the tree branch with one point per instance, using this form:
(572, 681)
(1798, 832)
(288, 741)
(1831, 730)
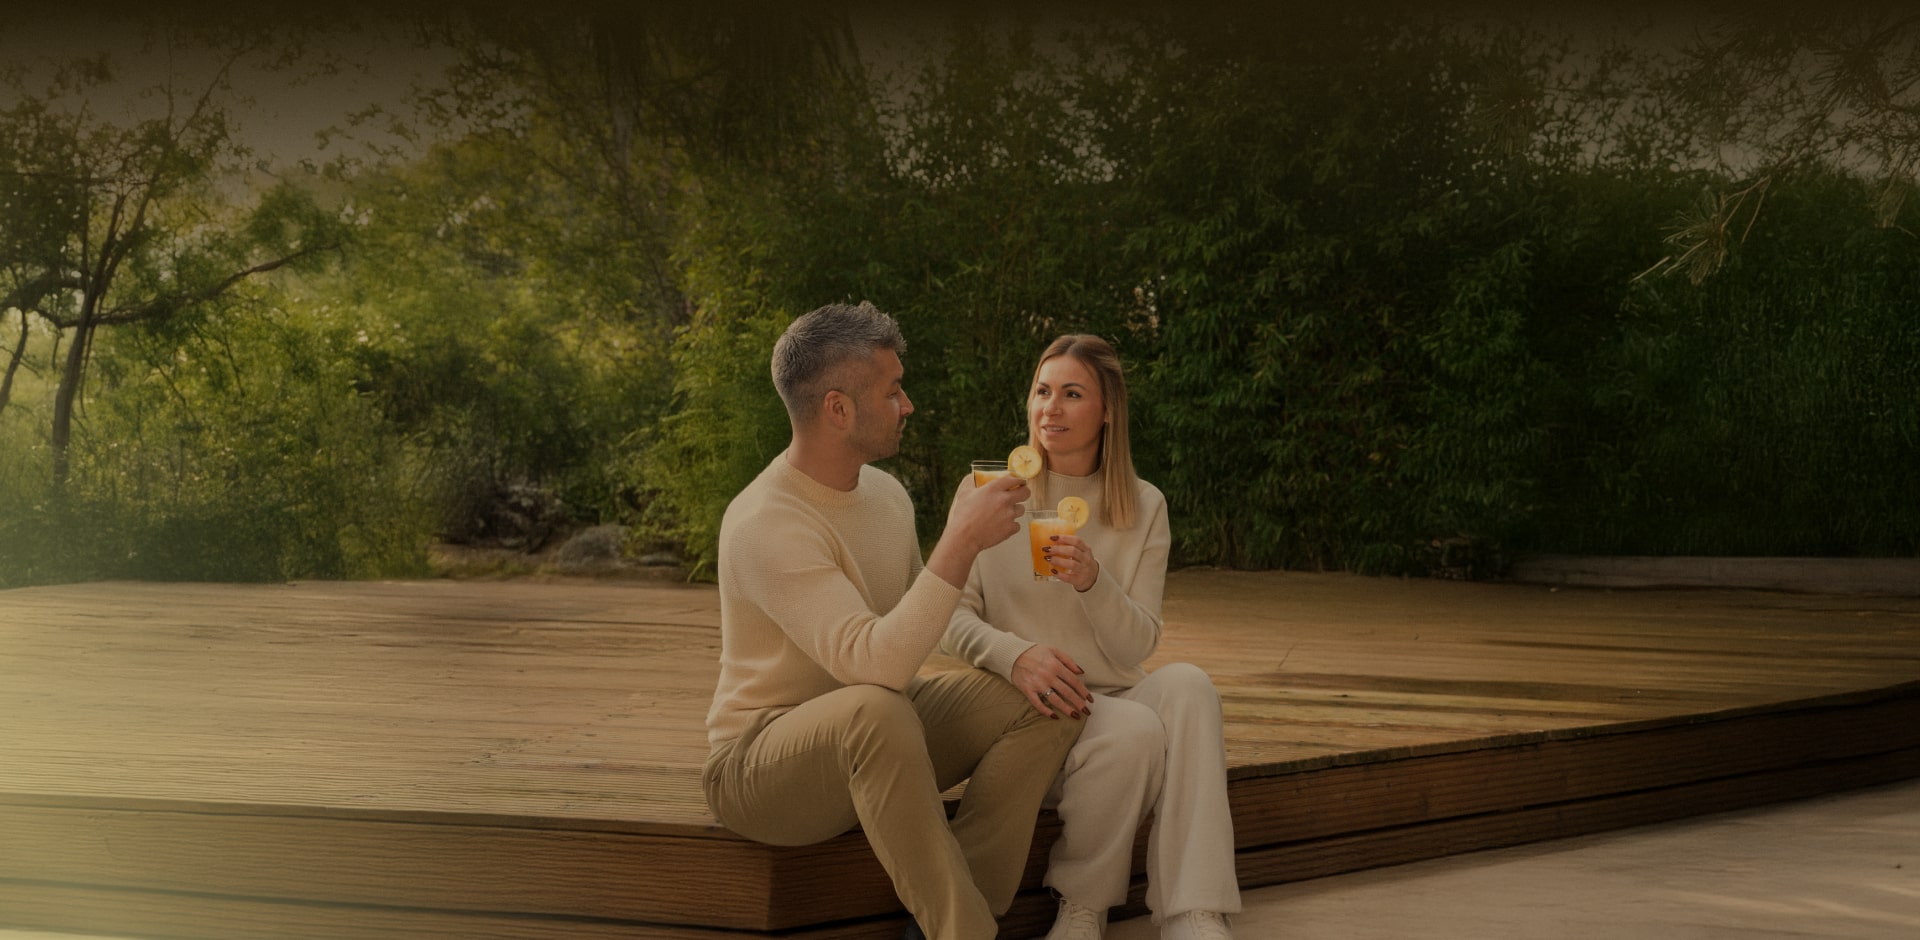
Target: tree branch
(28, 295)
(165, 305)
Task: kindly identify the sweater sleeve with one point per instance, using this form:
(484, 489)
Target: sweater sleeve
(801, 585)
(1127, 621)
(971, 638)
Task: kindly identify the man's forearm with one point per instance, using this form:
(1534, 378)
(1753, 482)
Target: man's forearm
(952, 560)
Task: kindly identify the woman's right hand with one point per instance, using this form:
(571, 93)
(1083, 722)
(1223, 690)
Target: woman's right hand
(1051, 680)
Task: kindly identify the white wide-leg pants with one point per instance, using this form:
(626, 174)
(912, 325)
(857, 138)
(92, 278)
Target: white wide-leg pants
(1155, 749)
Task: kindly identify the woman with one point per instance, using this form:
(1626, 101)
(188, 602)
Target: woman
(1152, 742)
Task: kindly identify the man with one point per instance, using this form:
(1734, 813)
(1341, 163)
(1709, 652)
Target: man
(820, 720)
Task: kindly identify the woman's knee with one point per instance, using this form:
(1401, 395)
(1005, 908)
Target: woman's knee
(1185, 698)
(1186, 682)
(1125, 731)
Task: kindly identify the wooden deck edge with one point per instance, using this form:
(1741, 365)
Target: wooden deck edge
(1313, 804)
(1886, 576)
(140, 913)
(1399, 789)
(1293, 826)
(1849, 699)
(132, 912)
(1281, 864)
(1334, 855)
(581, 824)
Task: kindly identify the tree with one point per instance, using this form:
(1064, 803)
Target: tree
(1774, 96)
(608, 146)
(628, 110)
(108, 224)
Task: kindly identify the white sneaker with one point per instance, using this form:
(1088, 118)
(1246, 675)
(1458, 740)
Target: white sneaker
(1196, 925)
(1077, 923)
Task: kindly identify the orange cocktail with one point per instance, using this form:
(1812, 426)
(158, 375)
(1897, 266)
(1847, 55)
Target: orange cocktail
(986, 471)
(1042, 525)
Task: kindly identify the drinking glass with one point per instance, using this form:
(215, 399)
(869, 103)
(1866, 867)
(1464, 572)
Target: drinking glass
(1042, 525)
(986, 471)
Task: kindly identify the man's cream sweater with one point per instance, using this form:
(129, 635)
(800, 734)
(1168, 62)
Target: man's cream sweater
(819, 589)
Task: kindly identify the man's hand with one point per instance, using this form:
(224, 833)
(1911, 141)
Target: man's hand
(987, 515)
(980, 518)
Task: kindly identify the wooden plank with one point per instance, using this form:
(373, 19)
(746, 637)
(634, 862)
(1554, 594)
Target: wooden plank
(840, 879)
(1895, 576)
(1315, 858)
(130, 913)
(368, 701)
(452, 867)
(1387, 793)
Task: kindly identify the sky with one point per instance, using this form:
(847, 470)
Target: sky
(282, 110)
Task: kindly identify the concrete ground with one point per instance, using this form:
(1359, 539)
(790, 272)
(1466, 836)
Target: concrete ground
(1845, 865)
(1839, 866)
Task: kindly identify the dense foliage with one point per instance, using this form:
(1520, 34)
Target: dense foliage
(1396, 295)
(1371, 324)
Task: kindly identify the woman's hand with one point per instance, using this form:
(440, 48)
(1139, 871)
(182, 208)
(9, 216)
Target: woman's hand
(1073, 561)
(1051, 680)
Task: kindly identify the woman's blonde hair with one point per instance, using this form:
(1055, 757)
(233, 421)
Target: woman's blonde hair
(1117, 497)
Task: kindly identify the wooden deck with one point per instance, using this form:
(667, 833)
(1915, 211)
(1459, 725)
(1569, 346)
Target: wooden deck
(520, 759)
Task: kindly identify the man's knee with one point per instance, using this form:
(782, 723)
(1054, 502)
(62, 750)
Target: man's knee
(1053, 735)
(878, 718)
(983, 689)
(986, 692)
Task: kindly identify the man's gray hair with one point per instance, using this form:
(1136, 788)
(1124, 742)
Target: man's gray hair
(814, 346)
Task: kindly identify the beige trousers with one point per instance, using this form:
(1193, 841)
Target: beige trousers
(880, 759)
(1155, 749)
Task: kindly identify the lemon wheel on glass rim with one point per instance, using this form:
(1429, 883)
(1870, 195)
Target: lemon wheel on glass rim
(1074, 510)
(1024, 462)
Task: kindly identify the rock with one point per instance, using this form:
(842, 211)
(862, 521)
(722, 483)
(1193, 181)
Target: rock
(596, 547)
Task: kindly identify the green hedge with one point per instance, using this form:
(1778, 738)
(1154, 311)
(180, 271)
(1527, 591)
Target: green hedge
(1363, 329)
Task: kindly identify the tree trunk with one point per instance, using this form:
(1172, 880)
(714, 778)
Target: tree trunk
(13, 363)
(64, 397)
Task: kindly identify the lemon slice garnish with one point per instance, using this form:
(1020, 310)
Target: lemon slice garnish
(1024, 462)
(1074, 510)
